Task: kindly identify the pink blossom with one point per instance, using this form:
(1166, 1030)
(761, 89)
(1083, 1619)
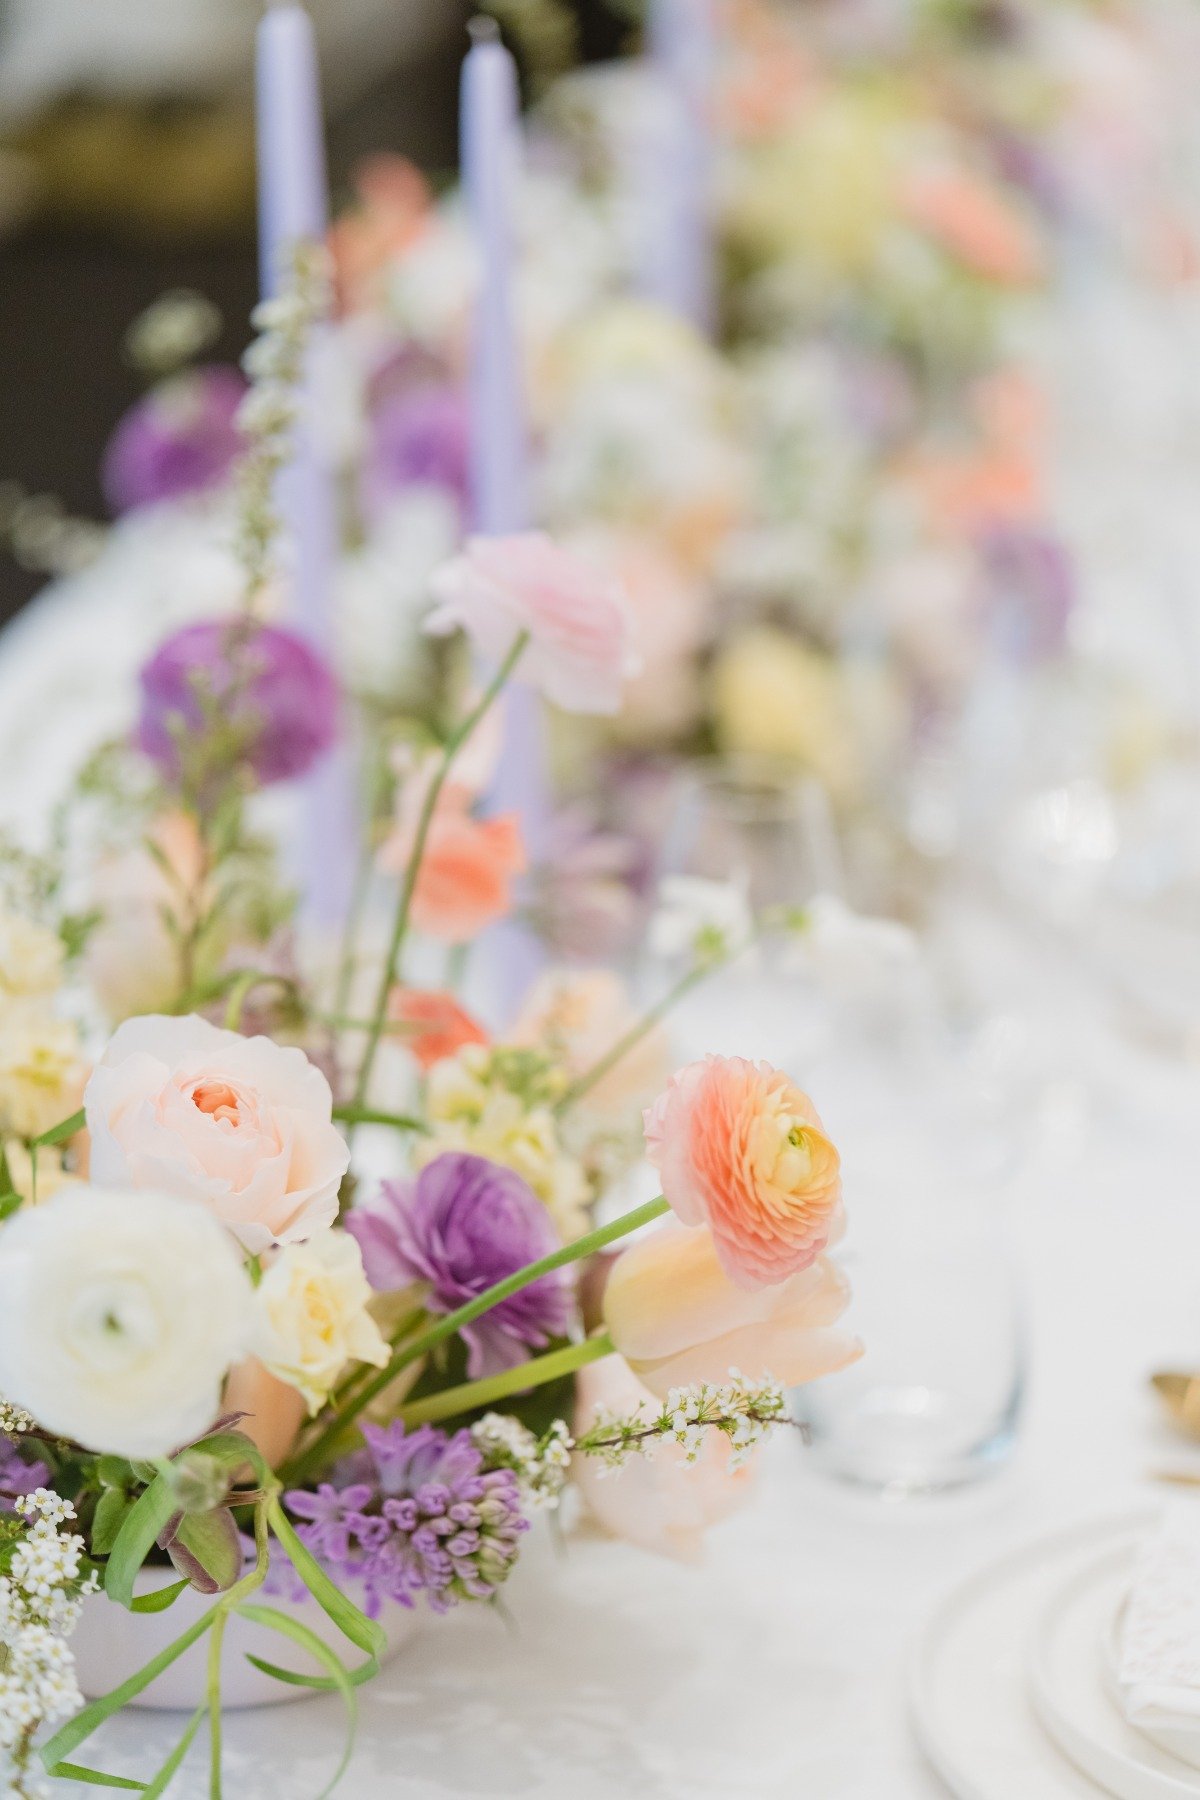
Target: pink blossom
(580, 649)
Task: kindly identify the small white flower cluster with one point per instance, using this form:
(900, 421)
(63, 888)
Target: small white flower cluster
(14, 1419)
(540, 1464)
(743, 1411)
(707, 921)
(275, 363)
(40, 1601)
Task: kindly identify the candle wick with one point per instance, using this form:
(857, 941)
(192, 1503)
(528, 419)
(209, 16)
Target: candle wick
(483, 30)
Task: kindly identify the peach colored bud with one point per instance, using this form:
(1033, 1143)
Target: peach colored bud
(274, 1410)
(677, 1318)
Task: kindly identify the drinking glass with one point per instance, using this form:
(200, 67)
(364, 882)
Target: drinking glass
(935, 1400)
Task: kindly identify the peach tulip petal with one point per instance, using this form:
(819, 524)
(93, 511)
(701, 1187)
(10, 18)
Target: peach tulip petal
(662, 1504)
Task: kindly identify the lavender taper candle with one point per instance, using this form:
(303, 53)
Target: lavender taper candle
(677, 247)
(499, 455)
(293, 205)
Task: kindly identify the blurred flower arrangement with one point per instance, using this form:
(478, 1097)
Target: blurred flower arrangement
(305, 1284)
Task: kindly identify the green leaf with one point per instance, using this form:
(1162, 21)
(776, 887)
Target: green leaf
(207, 1550)
(322, 1683)
(9, 1204)
(115, 1472)
(161, 1598)
(111, 1509)
(76, 1730)
(367, 1633)
(145, 1520)
(58, 1134)
(167, 1773)
(65, 1771)
(319, 1650)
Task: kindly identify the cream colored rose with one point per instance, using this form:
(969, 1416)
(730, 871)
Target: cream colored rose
(31, 957)
(312, 1315)
(120, 1313)
(41, 1072)
(242, 1124)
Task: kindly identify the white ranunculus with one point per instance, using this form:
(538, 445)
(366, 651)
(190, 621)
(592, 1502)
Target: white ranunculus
(243, 1124)
(120, 1314)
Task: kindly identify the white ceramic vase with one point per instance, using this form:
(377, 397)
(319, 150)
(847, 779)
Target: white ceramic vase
(111, 1644)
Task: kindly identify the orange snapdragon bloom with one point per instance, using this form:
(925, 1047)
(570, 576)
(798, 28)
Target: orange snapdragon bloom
(436, 1026)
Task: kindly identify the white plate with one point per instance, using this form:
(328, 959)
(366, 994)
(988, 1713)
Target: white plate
(1071, 1692)
(969, 1688)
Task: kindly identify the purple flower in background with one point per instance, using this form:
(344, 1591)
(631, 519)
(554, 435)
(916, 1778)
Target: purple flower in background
(462, 1225)
(263, 684)
(1030, 592)
(420, 438)
(419, 1515)
(18, 1477)
(181, 438)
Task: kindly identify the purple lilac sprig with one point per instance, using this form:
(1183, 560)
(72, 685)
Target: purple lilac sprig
(417, 1513)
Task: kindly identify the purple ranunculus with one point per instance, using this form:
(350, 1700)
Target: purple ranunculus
(181, 438)
(18, 1477)
(419, 438)
(264, 684)
(462, 1225)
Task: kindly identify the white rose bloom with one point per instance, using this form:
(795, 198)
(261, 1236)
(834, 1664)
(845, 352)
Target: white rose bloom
(120, 1314)
(31, 957)
(243, 1124)
(312, 1316)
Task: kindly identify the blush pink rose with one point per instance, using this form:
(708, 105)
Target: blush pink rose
(677, 1318)
(243, 1125)
(580, 650)
(741, 1149)
(662, 1503)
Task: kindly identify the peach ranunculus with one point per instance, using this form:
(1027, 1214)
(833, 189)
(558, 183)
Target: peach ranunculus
(741, 1149)
(243, 1125)
(976, 223)
(580, 649)
(677, 1318)
(663, 1503)
(578, 1015)
(432, 1024)
(465, 882)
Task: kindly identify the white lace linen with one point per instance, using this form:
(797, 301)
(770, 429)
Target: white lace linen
(1159, 1671)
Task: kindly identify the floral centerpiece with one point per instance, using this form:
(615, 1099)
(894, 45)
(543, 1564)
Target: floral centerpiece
(308, 1280)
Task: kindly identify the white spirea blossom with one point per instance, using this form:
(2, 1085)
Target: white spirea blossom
(540, 1464)
(120, 1314)
(40, 1601)
(743, 1411)
(706, 920)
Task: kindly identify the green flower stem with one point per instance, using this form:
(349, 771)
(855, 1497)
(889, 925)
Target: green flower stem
(408, 886)
(314, 1458)
(635, 1034)
(213, 1692)
(369, 1115)
(551, 1367)
(244, 986)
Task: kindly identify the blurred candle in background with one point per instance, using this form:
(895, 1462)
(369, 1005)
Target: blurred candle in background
(677, 238)
(499, 454)
(293, 204)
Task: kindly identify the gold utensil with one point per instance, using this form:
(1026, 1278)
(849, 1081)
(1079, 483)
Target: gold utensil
(1180, 1394)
